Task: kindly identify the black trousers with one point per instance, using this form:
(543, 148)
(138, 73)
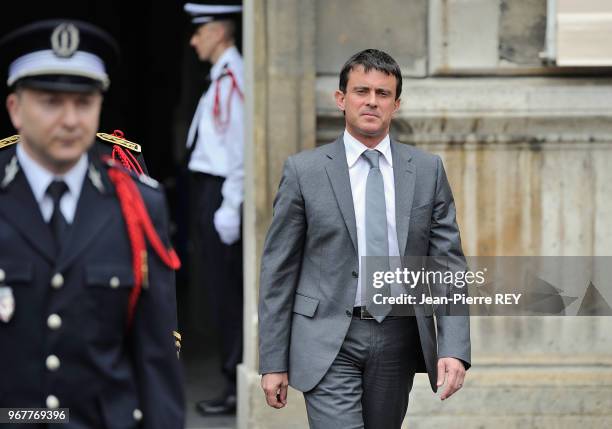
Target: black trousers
(221, 274)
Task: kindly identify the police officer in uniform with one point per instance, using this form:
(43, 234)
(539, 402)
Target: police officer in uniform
(215, 145)
(87, 299)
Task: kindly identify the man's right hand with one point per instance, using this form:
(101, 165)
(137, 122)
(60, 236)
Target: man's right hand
(275, 386)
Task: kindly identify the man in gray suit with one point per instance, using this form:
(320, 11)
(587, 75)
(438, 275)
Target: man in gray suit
(363, 194)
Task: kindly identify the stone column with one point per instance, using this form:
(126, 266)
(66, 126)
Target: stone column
(280, 120)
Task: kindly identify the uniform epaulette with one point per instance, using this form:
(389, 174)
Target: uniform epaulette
(111, 139)
(224, 70)
(9, 141)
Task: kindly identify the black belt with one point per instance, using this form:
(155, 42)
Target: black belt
(199, 175)
(364, 314)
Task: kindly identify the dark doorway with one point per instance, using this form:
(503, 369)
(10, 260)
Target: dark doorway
(157, 85)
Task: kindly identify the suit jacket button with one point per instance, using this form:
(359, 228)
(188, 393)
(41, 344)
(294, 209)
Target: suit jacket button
(349, 314)
(354, 274)
(57, 281)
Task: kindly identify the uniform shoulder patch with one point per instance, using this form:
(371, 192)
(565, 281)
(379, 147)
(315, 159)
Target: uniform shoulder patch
(142, 178)
(112, 139)
(148, 181)
(9, 141)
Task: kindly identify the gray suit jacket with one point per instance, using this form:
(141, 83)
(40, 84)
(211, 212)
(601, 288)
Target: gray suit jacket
(310, 261)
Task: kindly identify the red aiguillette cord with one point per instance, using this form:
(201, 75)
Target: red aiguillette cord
(139, 227)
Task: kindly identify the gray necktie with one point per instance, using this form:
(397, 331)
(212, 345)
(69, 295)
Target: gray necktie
(377, 241)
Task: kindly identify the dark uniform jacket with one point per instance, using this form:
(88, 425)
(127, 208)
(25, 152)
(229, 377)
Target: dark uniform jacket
(73, 305)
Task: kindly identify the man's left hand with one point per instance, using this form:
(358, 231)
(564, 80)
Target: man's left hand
(452, 371)
(227, 224)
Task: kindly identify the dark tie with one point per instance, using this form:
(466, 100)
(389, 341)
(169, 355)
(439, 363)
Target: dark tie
(377, 240)
(58, 224)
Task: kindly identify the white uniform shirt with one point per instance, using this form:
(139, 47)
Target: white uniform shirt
(40, 178)
(220, 151)
(358, 172)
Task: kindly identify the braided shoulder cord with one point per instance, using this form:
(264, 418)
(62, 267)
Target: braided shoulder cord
(139, 228)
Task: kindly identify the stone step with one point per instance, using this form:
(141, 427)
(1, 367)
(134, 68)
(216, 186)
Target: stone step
(493, 396)
(509, 422)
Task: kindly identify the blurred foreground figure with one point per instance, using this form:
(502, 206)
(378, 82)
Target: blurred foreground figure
(87, 293)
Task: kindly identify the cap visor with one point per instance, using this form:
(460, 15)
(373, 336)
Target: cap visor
(60, 84)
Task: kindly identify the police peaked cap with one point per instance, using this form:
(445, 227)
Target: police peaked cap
(59, 55)
(203, 12)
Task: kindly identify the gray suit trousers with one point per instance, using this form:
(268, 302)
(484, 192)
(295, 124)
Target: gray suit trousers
(368, 383)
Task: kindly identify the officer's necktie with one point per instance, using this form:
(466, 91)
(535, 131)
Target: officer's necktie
(377, 241)
(57, 223)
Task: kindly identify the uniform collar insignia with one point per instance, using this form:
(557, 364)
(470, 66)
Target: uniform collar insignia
(96, 178)
(10, 171)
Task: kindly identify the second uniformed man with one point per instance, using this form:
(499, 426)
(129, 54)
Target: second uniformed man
(215, 144)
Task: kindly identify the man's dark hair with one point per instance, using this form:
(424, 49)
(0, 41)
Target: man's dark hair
(230, 28)
(372, 59)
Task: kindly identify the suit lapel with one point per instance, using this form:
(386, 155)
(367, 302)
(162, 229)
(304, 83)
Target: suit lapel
(404, 178)
(19, 208)
(94, 211)
(337, 171)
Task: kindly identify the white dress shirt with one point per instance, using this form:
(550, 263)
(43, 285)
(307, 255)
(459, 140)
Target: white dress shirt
(220, 151)
(358, 172)
(40, 178)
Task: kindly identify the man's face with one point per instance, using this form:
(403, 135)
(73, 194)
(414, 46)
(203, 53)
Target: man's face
(205, 39)
(56, 128)
(369, 103)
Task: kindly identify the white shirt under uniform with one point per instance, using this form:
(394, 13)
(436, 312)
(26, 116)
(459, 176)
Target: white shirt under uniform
(40, 178)
(358, 172)
(220, 142)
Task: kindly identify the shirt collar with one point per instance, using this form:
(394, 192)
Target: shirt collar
(40, 178)
(354, 148)
(225, 58)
